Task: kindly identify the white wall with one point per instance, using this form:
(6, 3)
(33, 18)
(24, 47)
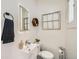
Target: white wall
(66, 37)
(71, 43)
(71, 36)
(8, 6)
(11, 6)
(50, 39)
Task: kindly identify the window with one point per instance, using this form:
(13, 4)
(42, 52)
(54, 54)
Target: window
(72, 11)
(51, 21)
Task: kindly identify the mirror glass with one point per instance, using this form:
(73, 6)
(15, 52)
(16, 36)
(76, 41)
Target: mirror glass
(23, 18)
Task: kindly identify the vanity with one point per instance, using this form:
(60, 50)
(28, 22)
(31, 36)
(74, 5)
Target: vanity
(29, 52)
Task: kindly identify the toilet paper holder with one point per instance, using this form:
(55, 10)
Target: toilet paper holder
(62, 54)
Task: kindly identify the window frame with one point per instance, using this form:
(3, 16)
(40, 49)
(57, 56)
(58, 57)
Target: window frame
(59, 21)
(73, 23)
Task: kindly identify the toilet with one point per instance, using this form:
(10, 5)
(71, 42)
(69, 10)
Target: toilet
(46, 55)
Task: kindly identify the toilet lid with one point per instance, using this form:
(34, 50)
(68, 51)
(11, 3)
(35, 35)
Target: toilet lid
(47, 54)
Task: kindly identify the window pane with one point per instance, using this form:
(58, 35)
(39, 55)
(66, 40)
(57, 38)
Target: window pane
(45, 18)
(56, 25)
(50, 25)
(71, 10)
(55, 16)
(50, 17)
(45, 25)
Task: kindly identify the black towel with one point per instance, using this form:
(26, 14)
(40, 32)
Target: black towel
(8, 31)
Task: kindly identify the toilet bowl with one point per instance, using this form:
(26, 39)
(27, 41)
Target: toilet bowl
(46, 55)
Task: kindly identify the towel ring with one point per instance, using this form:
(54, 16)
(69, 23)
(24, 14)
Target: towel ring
(8, 14)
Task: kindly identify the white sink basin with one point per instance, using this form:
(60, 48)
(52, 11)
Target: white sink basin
(29, 52)
(30, 47)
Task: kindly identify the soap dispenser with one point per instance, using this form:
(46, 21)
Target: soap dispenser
(21, 44)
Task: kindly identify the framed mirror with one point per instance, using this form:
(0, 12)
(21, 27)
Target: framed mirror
(23, 18)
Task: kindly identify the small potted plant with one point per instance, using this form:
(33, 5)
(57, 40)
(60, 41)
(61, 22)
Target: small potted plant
(37, 40)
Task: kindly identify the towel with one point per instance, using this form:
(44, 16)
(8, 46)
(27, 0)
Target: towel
(8, 31)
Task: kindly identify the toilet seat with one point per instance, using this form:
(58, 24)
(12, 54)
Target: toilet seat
(46, 55)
